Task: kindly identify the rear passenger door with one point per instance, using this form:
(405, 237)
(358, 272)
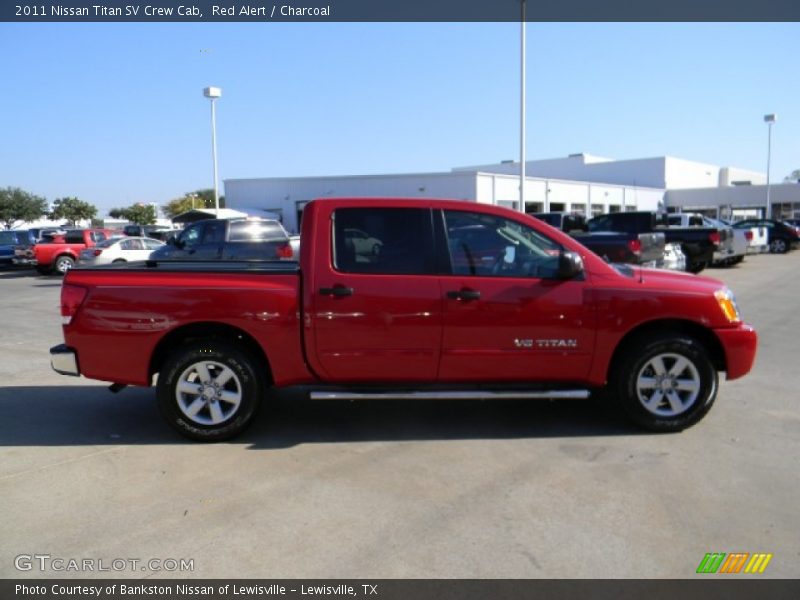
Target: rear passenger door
(377, 309)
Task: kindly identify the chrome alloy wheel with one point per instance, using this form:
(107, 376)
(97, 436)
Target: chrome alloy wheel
(208, 393)
(668, 385)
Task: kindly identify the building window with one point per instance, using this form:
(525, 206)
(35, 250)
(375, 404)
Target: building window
(597, 209)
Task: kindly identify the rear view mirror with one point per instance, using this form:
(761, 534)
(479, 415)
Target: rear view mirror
(570, 264)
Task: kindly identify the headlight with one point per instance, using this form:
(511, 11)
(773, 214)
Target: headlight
(727, 302)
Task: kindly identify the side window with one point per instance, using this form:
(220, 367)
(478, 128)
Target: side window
(214, 233)
(600, 224)
(151, 244)
(191, 235)
(489, 246)
(383, 241)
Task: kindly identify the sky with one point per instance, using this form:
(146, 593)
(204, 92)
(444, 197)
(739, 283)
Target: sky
(114, 114)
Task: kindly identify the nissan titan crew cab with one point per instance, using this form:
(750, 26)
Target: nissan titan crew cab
(429, 299)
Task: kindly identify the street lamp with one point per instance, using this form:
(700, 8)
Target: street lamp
(213, 93)
(522, 110)
(769, 120)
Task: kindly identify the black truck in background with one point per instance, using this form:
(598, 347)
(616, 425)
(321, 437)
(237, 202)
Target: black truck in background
(613, 246)
(697, 243)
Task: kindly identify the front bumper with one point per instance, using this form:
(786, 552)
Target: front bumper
(24, 262)
(64, 360)
(740, 349)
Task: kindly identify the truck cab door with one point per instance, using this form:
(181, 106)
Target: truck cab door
(375, 310)
(508, 315)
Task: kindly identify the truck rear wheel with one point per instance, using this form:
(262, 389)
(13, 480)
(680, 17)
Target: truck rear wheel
(209, 391)
(63, 264)
(666, 383)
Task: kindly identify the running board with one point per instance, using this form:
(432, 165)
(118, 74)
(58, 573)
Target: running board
(454, 395)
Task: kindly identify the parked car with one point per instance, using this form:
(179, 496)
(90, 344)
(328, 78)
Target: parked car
(697, 243)
(40, 234)
(674, 259)
(119, 250)
(60, 255)
(546, 319)
(736, 248)
(229, 239)
(781, 237)
(11, 238)
(724, 251)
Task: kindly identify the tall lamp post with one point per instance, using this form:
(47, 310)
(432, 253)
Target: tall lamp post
(213, 93)
(522, 111)
(769, 120)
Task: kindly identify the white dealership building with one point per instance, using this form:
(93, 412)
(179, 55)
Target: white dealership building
(578, 183)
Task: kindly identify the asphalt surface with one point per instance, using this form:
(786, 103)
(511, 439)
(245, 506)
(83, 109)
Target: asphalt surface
(505, 489)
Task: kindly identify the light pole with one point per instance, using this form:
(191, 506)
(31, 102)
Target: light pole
(769, 120)
(522, 110)
(213, 93)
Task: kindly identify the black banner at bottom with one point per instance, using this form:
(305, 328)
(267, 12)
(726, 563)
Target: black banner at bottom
(394, 589)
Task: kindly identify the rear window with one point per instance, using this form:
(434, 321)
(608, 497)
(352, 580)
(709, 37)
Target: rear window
(257, 231)
(383, 241)
(74, 237)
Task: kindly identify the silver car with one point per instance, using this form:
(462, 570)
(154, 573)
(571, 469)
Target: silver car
(119, 250)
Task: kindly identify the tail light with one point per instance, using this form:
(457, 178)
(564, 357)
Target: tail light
(72, 296)
(284, 251)
(97, 252)
(748, 235)
(714, 237)
(635, 246)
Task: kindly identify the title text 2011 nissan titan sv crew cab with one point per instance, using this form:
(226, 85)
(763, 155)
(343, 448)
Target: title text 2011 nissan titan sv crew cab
(457, 300)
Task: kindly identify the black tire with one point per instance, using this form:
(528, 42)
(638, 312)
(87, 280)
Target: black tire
(209, 423)
(63, 264)
(696, 267)
(116, 261)
(779, 246)
(676, 408)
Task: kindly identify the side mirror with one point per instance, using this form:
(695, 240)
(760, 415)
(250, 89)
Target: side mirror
(570, 265)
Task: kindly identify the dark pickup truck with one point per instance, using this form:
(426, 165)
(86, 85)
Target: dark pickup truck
(697, 243)
(229, 239)
(614, 247)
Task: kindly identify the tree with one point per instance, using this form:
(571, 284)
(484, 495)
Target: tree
(18, 205)
(73, 210)
(140, 213)
(190, 200)
(793, 177)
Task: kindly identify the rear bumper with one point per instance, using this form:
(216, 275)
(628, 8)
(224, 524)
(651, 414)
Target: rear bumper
(64, 360)
(24, 262)
(740, 349)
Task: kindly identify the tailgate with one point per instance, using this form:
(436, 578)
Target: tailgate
(652, 246)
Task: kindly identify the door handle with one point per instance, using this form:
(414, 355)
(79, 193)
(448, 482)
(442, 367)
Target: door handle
(337, 291)
(464, 294)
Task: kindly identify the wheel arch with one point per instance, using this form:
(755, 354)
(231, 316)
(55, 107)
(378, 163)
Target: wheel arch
(204, 331)
(703, 335)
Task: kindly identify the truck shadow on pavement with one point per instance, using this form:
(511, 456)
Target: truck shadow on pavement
(91, 415)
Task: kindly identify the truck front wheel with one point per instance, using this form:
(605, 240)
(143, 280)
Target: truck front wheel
(666, 383)
(209, 391)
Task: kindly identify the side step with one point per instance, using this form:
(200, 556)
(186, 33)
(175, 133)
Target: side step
(454, 395)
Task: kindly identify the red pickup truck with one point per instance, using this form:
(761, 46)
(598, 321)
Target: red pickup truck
(454, 299)
(62, 253)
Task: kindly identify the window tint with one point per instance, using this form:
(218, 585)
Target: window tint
(131, 245)
(191, 235)
(383, 240)
(152, 244)
(214, 233)
(257, 231)
(491, 246)
(73, 237)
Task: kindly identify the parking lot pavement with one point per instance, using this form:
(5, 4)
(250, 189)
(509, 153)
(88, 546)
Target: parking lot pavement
(400, 489)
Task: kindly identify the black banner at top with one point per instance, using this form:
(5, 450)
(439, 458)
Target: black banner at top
(398, 10)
